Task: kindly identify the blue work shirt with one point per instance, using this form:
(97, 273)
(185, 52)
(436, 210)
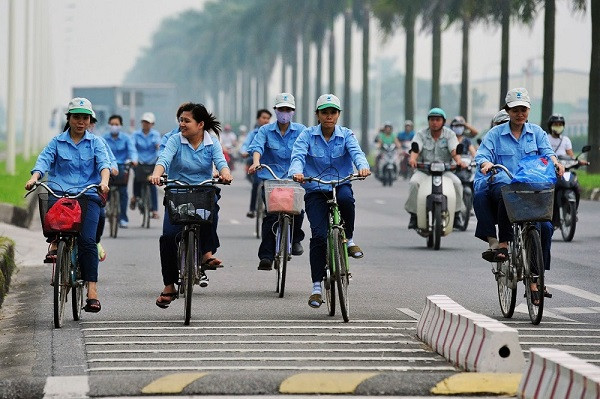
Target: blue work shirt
(165, 138)
(147, 146)
(122, 146)
(191, 165)
(313, 156)
(248, 141)
(111, 156)
(275, 150)
(499, 146)
(406, 136)
(71, 167)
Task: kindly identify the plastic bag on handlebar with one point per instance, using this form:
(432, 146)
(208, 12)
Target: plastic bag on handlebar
(535, 169)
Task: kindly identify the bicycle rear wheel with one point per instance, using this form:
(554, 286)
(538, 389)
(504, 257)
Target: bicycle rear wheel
(329, 291)
(60, 282)
(340, 256)
(112, 212)
(281, 258)
(534, 274)
(260, 212)
(146, 205)
(568, 220)
(191, 257)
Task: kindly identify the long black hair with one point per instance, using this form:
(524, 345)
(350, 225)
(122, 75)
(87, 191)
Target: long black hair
(200, 114)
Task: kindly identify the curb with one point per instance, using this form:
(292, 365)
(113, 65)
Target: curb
(7, 265)
(468, 340)
(18, 216)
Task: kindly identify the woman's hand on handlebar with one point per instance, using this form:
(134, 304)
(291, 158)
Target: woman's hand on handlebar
(225, 176)
(412, 163)
(155, 179)
(30, 184)
(253, 167)
(485, 167)
(560, 169)
(299, 177)
(364, 172)
(103, 188)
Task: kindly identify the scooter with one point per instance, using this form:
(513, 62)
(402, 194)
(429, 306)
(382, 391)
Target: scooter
(565, 199)
(388, 164)
(436, 202)
(405, 170)
(466, 176)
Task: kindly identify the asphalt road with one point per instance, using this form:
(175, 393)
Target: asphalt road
(248, 340)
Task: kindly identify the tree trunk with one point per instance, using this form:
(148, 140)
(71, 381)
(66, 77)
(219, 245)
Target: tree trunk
(283, 75)
(594, 92)
(331, 60)
(464, 85)
(304, 101)
(347, 63)
(318, 74)
(409, 79)
(436, 61)
(294, 61)
(504, 51)
(364, 122)
(549, 34)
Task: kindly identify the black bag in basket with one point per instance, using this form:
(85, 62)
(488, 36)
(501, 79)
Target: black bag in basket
(190, 204)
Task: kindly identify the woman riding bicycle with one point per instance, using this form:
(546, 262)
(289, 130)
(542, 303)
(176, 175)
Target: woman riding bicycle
(189, 156)
(507, 144)
(73, 160)
(330, 152)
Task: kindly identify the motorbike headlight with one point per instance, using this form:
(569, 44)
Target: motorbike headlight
(437, 167)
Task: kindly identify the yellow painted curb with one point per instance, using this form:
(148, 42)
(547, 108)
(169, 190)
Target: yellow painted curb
(323, 382)
(172, 383)
(478, 383)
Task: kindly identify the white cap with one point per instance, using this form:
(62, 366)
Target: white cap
(80, 105)
(285, 100)
(148, 117)
(500, 117)
(328, 101)
(518, 97)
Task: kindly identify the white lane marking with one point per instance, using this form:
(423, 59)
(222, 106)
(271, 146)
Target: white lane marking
(575, 352)
(269, 342)
(250, 334)
(538, 343)
(260, 350)
(262, 327)
(546, 322)
(559, 336)
(576, 292)
(66, 387)
(409, 313)
(271, 359)
(308, 321)
(575, 310)
(234, 221)
(522, 308)
(558, 329)
(283, 367)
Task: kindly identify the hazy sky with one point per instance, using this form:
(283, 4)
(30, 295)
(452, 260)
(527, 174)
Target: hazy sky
(97, 42)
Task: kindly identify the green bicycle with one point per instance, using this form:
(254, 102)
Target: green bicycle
(337, 271)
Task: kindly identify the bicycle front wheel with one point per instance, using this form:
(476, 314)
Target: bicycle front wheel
(342, 278)
(191, 260)
(112, 212)
(146, 206)
(77, 292)
(260, 212)
(282, 255)
(506, 278)
(60, 282)
(534, 275)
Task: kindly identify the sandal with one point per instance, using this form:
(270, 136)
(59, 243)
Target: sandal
(546, 293)
(355, 252)
(92, 305)
(51, 256)
(212, 264)
(535, 298)
(315, 301)
(165, 304)
(495, 255)
(155, 215)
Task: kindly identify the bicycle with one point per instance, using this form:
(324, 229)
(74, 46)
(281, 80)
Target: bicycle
(336, 263)
(284, 197)
(144, 201)
(191, 205)
(526, 204)
(113, 206)
(66, 271)
(260, 210)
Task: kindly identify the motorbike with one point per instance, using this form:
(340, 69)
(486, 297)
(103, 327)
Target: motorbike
(405, 170)
(388, 164)
(466, 176)
(436, 202)
(565, 199)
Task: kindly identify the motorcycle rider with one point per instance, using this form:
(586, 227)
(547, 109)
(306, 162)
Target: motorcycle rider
(469, 130)
(458, 126)
(436, 143)
(385, 137)
(405, 137)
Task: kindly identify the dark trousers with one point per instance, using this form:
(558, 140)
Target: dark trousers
(254, 192)
(490, 210)
(101, 223)
(208, 241)
(317, 211)
(123, 198)
(266, 250)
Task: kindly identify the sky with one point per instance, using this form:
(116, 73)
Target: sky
(95, 43)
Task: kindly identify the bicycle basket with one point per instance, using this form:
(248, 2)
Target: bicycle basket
(63, 215)
(284, 196)
(122, 178)
(190, 204)
(142, 171)
(528, 202)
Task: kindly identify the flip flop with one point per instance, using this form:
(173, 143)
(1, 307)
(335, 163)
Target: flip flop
(92, 305)
(315, 301)
(495, 255)
(165, 304)
(51, 256)
(212, 264)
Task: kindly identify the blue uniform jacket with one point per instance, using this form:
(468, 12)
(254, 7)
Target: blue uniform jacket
(122, 146)
(147, 145)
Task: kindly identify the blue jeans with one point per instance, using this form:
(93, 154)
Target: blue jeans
(490, 210)
(101, 223)
(208, 240)
(317, 211)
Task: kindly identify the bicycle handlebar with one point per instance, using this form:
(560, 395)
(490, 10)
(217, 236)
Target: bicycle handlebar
(164, 180)
(65, 195)
(267, 167)
(351, 177)
(495, 167)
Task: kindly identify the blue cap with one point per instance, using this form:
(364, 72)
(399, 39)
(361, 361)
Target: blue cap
(436, 112)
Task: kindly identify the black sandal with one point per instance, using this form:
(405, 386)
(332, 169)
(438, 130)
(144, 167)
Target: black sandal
(209, 265)
(495, 255)
(165, 304)
(51, 256)
(92, 305)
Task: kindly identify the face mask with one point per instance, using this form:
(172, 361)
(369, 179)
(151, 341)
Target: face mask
(114, 129)
(558, 129)
(284, 117)
(459, 130)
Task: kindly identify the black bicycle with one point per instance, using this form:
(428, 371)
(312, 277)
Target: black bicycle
(113, 205)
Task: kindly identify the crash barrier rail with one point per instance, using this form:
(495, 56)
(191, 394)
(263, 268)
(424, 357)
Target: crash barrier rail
(552, 373)
(468, 340)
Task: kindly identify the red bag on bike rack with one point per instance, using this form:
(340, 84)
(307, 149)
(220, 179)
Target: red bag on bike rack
(64, 215)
